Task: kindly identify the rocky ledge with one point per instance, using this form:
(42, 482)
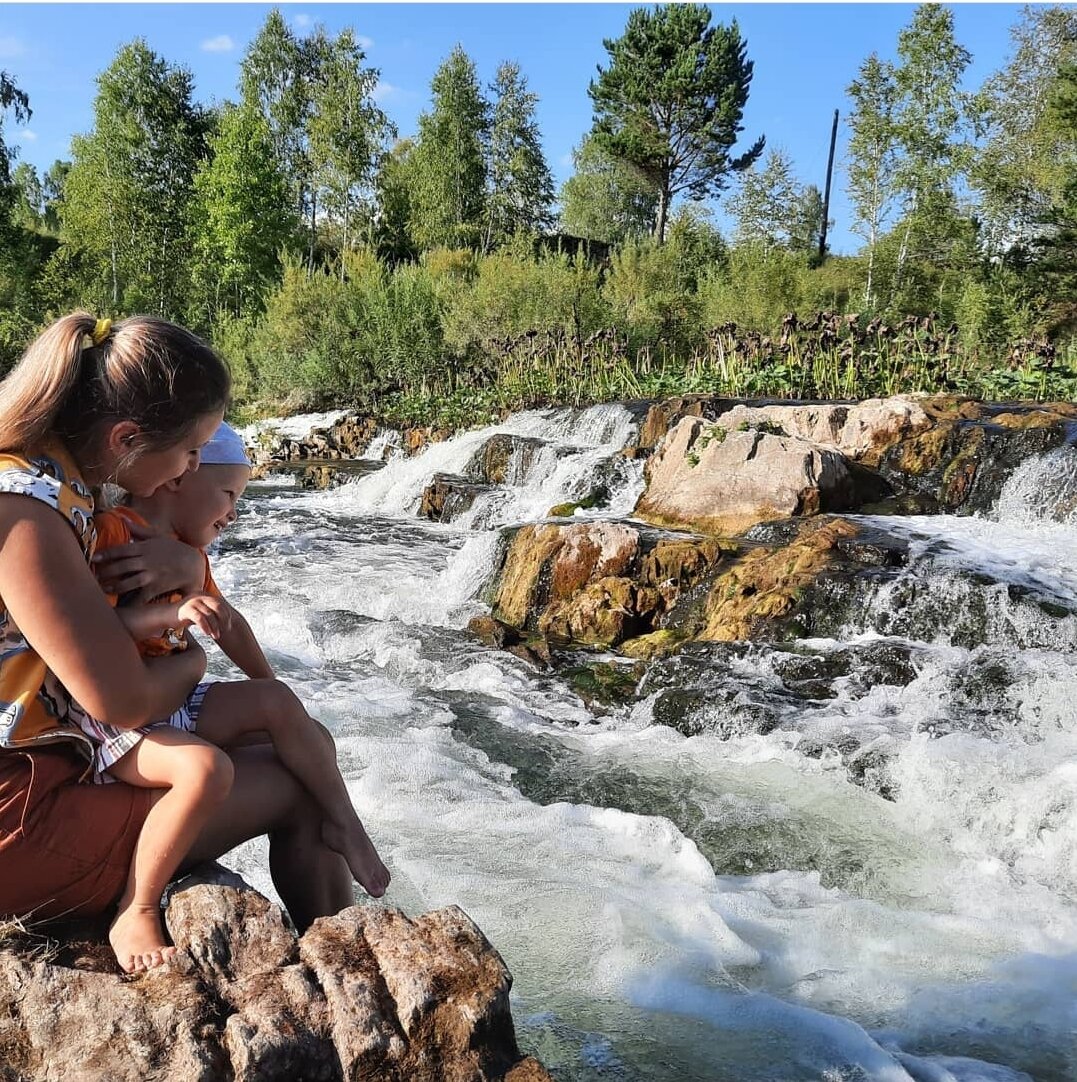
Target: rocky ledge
(369, 994)
(739, 533)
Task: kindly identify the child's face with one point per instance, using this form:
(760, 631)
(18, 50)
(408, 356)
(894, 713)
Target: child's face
(206, 502)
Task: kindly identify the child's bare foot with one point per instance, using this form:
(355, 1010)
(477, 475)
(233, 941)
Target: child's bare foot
(358, 851)
(138, 939)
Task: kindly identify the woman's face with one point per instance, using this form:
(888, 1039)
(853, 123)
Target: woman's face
(146, 471)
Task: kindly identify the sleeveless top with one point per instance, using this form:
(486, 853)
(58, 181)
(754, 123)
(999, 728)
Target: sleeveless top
(35, 708)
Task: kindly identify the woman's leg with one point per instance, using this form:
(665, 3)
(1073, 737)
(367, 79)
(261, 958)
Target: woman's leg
(312, 880)
(195, 778)
(232, 711)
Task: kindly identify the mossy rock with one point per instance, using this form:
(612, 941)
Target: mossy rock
(655, 645)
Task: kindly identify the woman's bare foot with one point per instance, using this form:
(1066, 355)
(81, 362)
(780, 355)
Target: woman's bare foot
(358, 851)
(138, 939)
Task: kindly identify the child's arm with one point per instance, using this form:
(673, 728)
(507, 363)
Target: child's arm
(238, 642)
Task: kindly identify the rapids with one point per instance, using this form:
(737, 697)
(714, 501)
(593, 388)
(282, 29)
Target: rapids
(854, 857)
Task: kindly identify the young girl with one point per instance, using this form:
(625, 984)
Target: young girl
(132, 404)
(195, 508)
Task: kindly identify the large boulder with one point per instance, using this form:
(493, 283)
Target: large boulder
(597, 582)
(718, 480)
(369, 993)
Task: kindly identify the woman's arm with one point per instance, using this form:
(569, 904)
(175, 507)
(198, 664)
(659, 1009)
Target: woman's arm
(152, 565)
(54, 599)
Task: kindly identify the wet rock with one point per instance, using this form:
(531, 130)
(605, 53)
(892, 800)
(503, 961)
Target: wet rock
(548, 563)
(369, 993)
(708, 478)
(653, 645)
(597, 582)
(503, 459)
(768, 584)
(494, 633)
(448, 496)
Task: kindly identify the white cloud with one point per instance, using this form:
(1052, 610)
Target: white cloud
(364, 43)
(27, 136)
(222, 43)
(302, 22)
(10, 47)
(384, 90)
(566, 160)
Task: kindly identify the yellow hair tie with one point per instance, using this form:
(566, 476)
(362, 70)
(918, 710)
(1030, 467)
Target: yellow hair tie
(100, 331)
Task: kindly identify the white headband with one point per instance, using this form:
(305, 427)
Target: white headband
(225, 449)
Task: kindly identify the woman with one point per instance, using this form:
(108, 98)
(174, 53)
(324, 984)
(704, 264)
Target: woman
(132, 405)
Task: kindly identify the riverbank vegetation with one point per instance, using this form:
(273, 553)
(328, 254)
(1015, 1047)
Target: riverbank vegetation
(442, 278)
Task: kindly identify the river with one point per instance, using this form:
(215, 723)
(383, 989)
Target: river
(861, 865)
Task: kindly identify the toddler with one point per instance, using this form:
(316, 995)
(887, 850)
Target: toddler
(182, 752)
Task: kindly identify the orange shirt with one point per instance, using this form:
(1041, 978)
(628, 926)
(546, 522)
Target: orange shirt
(114, 528)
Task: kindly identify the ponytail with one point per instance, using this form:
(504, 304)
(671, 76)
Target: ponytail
(80, 372)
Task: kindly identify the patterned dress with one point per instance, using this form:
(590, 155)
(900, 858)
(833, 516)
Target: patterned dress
(35, 708)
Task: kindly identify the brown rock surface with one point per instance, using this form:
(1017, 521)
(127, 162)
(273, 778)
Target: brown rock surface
(721, 481)
(369, 993)
(597, 582)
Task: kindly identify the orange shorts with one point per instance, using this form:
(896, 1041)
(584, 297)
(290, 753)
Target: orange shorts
(65, 847)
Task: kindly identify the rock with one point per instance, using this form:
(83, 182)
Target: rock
(548, 563)
(597, 582)
(767, 583)
(503, 459)
(708, 478)
(654, 645)
(493, 632)
(861, 430)
(322, 477)
(368, 993)
(662, 416)
(449, 495)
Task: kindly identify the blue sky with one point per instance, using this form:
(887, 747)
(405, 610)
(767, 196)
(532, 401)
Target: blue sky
(804, 54)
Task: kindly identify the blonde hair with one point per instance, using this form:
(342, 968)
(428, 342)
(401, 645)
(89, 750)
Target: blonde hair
(146, 370)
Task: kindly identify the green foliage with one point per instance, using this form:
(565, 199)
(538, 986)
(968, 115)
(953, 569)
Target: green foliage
(521, 188)
(348, 133)
(652, 296)
(754, 288)
(671, 101)
(606, 199)
(514, 294)
(127, 194)
(241, 219)
(448, 197)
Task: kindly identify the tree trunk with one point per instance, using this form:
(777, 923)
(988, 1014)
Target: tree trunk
(313, 227)
(663, 214)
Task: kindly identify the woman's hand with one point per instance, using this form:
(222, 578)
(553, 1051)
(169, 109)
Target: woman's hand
(211, 615)
(151, 564)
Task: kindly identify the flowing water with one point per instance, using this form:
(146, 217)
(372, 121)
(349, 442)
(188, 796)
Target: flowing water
(860, 864)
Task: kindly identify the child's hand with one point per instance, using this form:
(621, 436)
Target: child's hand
(211, 615)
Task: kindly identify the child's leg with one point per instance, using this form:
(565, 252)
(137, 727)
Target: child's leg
(195, 777)
(233, 710)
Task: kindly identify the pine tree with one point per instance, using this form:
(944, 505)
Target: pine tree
(671, 101)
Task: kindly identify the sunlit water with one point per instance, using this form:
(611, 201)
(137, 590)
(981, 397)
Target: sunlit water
(874, 877)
